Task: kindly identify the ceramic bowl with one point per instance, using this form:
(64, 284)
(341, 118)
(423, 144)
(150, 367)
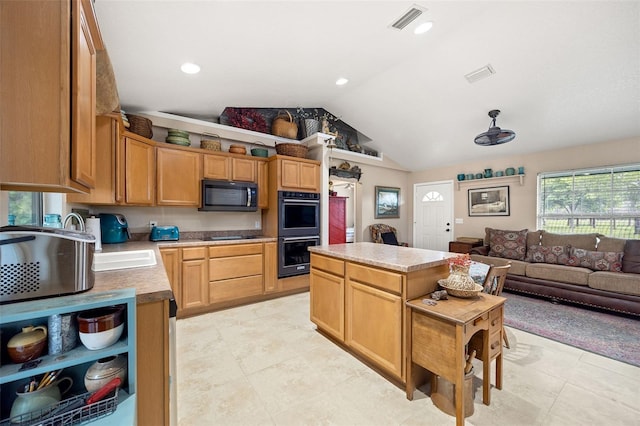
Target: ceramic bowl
(259, 152)
(102, 339)
(28, 344)
(104, 370)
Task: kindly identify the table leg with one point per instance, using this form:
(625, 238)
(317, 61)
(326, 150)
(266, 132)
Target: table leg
(410, 386)
(486, 369)
(459, 381)
(499, 371)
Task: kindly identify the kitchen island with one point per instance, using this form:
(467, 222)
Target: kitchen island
(358, 296)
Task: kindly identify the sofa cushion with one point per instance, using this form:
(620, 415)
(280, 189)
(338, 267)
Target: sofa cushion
(596, 260)
(631, 257)
(557, 255)
(517, 266)
(583, 241)
(533, 237)
(616, 282)
(508, 244)
(610, 244)
(562, 273)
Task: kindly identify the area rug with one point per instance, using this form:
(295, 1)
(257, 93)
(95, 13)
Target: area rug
(610, 335)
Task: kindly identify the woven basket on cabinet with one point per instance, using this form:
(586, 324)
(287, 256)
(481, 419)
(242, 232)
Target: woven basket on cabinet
(292, 149)
(140, 125)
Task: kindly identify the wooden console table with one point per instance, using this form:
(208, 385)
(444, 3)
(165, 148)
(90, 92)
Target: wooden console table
(437, 336)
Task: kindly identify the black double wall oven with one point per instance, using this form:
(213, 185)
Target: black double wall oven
(298, 229)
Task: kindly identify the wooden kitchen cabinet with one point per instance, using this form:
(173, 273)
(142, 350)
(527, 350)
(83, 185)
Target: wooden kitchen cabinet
(227, 167)
(194, 281)
(294, 174)
(337, 220)
(270, 272)
(262, 177)
(235, 272)
(171, 260)
(178, 177)
(327, 299)
(139, 171)
(47, 108)
(107, 140)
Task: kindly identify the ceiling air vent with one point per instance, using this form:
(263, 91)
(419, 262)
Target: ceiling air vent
(408, 17)
(479, 74)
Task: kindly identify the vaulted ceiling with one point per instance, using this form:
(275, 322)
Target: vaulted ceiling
(566, 72)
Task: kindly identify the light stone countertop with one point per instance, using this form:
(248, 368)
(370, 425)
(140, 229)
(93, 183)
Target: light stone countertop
(395, 258)
(151, 282)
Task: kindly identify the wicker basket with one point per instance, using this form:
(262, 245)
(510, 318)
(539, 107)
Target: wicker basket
(211, 144)
(284, 125)
(140, 125)
(292, 149)
(459, 292)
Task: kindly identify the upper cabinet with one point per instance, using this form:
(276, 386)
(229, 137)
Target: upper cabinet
(47, 107)
(297, 174)
(226, 167)
(178, 177)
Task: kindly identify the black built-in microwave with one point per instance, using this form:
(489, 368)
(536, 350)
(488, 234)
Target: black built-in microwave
(220, 195)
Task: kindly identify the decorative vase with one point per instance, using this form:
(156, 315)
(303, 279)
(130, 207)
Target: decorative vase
(460, 279)
(311, 126)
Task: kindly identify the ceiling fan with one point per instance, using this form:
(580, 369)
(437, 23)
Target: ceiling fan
(495, 135)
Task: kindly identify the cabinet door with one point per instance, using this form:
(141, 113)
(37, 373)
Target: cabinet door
(104, 192)
(195, 285)
(83, 98)
(140, 172)
(310, 177)
(243, 169)
(289, 173)
(216, 167)
(171, 261)
(374, 325)
(270, 264)
(235, 266)
(327, 302)
(178, 177)
(263, 184)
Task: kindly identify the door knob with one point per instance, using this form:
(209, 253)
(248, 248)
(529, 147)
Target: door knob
(447, 230)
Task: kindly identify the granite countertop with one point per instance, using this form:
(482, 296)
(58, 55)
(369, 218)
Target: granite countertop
(151, 282)
(395, 258)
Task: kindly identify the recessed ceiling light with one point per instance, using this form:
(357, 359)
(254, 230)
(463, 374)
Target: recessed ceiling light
(341, 81)
(189, 68)
(423, 28)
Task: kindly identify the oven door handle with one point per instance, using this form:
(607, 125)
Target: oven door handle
(294, 201)
(299, 238)
(248, 197)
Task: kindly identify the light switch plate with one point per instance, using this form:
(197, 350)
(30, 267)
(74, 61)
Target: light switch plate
(459, 220)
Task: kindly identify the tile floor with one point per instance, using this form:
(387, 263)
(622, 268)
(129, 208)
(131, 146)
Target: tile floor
(264, 364)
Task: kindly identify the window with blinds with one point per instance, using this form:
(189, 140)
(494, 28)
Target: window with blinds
(604, 200)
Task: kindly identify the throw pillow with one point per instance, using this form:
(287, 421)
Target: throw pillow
(389, 238)
(631, 257)
(596, 260)
(557, 255)
(508, 244)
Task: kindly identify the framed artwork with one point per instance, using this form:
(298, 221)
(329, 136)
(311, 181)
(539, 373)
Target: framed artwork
(387, 202)
(489, 201)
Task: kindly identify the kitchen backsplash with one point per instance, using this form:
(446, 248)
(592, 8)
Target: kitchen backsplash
(186, 219)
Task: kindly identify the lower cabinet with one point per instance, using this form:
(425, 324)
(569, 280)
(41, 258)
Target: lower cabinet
(326, 289)
(74, 362)
(235, 272)
(194, 288)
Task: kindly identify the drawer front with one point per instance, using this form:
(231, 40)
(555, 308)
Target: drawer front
(235, 250)
(233, 289)
(480, 323)
(328, 264)
(234, 267)
(389, 281)
(192, 253)
(495, 344)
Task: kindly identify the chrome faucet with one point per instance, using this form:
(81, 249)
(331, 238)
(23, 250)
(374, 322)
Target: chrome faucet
(77, 217)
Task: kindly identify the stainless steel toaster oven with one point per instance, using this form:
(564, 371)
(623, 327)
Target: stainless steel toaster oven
(39, 262)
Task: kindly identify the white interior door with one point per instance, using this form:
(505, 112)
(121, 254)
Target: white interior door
(433, 215)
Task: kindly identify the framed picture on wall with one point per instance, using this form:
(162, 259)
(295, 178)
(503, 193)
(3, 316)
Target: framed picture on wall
(387, 202)
(489, 201)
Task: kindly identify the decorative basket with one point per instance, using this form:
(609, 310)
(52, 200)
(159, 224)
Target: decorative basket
(456, 291)
(211, 144)
(292, 149)
(140, 125)
(284, 125)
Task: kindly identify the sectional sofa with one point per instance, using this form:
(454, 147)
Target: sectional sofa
(588, 269)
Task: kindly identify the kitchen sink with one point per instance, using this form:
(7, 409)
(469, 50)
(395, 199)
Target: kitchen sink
(123, 260)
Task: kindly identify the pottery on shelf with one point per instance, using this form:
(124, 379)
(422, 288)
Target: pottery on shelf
(104, 370)
(28, 344)
(510, 171)
(32, 405)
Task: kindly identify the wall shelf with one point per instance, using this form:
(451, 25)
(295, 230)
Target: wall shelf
(492, 179)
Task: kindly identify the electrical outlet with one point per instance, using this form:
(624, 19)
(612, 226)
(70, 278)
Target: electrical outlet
(257, 224)
(152, 223)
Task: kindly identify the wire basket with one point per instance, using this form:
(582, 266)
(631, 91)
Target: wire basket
(292, 149)
(140, 125)
(60, 414)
